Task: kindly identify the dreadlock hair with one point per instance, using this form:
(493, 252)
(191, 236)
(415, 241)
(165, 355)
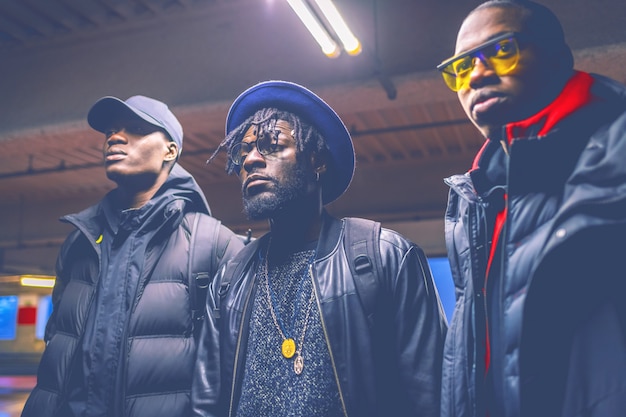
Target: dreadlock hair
(541, 25)
(308, 139)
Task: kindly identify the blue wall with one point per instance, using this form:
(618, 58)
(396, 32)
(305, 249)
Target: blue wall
(440, 268)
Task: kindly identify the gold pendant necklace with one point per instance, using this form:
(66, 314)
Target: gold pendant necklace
(288, 347)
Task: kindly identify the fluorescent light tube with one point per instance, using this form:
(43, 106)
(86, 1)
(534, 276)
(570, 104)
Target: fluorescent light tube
(350, 43)
(37, 281)
(328, 45)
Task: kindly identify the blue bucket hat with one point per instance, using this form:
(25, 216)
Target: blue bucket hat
(107, 109)
(296, 99)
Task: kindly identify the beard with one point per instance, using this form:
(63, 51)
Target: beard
(266, 205)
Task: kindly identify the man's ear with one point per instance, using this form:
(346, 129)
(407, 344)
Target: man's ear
(319, 162)
(172, 152)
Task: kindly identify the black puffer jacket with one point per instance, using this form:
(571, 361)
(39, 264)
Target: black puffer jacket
(555, 292)
(391, 368)
(158, 348)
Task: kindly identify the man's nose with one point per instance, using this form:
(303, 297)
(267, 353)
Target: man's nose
(480, 70)
(116, 136)
(253, 157)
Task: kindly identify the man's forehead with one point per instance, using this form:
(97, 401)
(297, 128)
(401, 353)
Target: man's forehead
(485, 24)
(273, 124)
(280, 124)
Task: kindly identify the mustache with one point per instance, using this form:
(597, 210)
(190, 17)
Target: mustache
(256, 177)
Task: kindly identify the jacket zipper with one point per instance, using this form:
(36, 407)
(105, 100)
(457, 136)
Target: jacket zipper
(119, 403)
(330, 351)
(501, 252)
(125, 342)
(478, 292)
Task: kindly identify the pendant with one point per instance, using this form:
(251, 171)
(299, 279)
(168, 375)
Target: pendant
(288, 347)
(298, 365)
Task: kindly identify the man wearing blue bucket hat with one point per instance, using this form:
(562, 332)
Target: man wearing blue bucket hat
(320, 316)
(128, 298)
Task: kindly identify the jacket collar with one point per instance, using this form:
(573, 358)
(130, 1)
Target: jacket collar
(327, 241)
(178, 195)
(542, 149)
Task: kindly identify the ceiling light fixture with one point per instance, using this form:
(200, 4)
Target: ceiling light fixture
(43, 281)
(350, 43)
(326, 40)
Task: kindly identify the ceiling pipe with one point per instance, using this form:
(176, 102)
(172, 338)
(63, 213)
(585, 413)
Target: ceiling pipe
(420, 126)
(384, 79)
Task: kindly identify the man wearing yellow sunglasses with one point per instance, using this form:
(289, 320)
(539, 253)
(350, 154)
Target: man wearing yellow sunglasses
(536, 229)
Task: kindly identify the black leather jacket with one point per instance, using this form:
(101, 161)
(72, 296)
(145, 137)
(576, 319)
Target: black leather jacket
(391, 367)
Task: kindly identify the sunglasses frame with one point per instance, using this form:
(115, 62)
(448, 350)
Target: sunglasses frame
(475, 53)
(272, 135)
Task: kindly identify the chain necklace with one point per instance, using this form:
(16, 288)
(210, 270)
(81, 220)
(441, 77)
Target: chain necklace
(289, 348)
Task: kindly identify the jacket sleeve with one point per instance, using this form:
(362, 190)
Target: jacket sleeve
(205, 390)
(419, 328)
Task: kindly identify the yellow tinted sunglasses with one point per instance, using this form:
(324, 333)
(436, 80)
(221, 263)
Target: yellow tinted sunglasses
(500, 54)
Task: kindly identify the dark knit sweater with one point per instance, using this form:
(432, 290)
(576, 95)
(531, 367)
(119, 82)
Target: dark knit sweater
(270, 385)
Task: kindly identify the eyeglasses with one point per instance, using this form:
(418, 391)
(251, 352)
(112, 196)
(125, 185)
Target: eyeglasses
(266, 144)
(500, 53)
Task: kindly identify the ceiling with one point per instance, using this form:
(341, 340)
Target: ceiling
(59, 56)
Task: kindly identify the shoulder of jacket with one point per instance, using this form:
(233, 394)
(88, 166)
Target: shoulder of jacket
(388, 239)
(248, 251)
(393, 239)
(190, 217)
(606, 87)
(235, 267)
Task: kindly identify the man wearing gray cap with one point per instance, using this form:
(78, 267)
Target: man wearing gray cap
(132, 278)
(321, 316)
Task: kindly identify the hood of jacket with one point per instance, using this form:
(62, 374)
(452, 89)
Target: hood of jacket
(179, 194)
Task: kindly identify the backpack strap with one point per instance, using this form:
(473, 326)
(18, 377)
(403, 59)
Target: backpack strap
(362, 245)
(234, 268)
(201, 263)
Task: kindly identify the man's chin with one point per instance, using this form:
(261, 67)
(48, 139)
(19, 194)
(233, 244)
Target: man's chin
(489, 126)
(491, 122)
(258, 208)
(133, 179)
(114, 175)
(490, 132)
(270, 203)
(256, 215)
